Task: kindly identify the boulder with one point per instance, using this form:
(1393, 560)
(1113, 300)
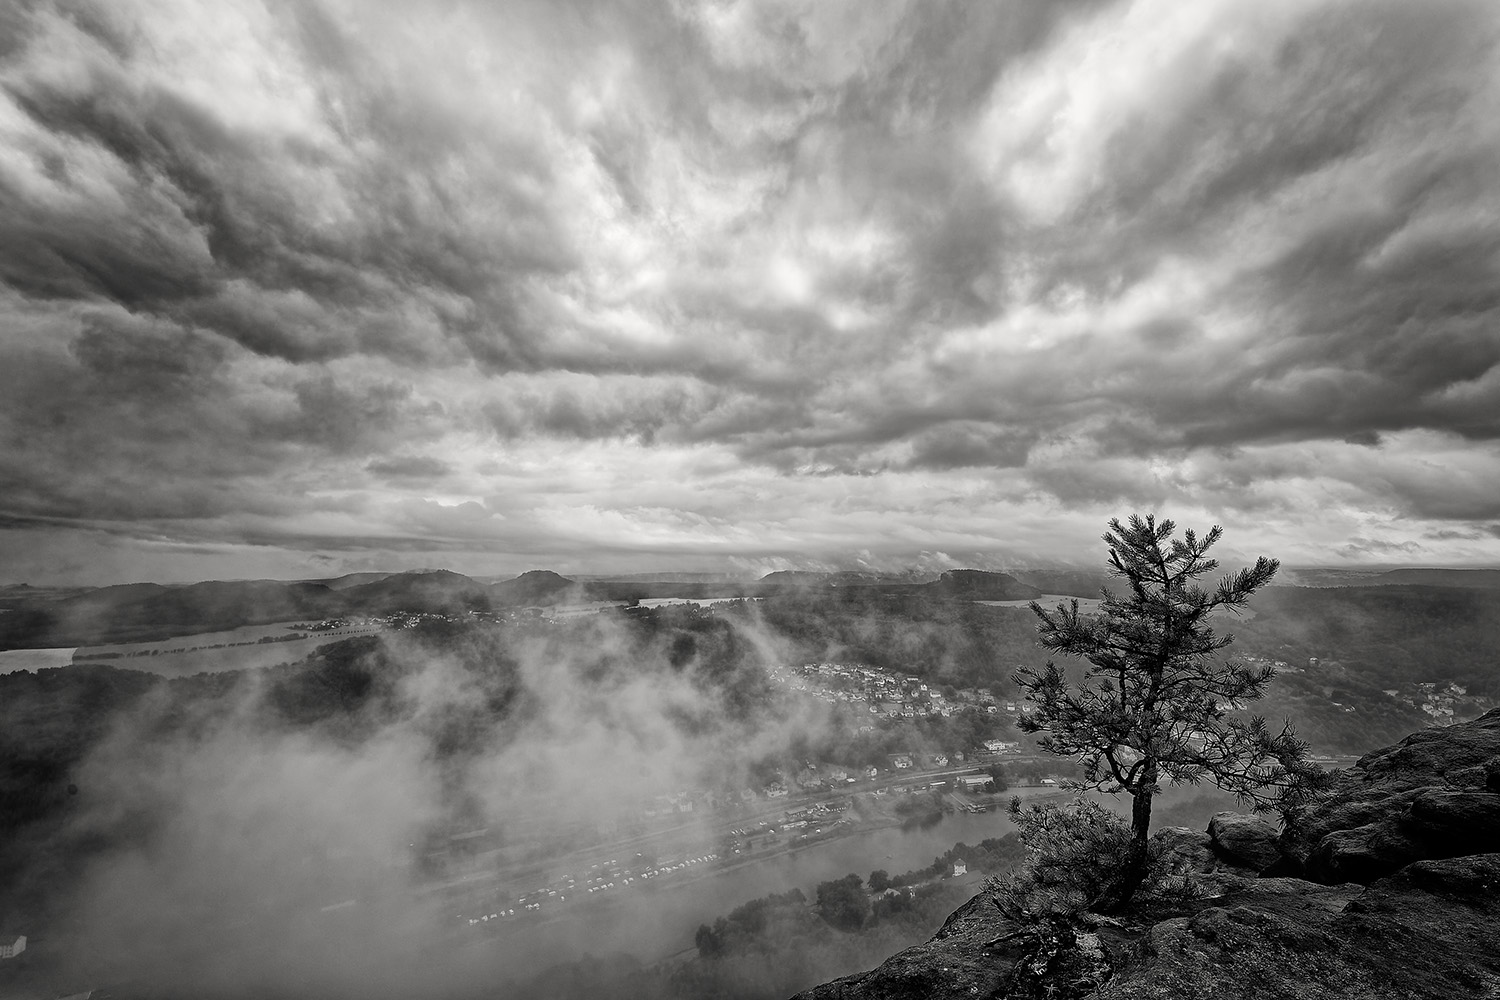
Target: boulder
(1251, 841)
(1181, 849)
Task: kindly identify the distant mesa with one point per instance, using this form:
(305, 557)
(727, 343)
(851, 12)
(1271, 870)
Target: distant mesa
(1067, 583)
(979, 585)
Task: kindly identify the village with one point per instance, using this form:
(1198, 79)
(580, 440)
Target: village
(689, 831)
(883, 693)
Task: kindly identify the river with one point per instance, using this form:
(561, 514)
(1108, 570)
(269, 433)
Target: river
(654, 924)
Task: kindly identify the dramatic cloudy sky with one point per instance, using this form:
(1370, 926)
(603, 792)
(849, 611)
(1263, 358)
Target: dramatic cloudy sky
(292, 287)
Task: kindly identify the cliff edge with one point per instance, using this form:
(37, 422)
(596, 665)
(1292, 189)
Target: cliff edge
(1388, 887)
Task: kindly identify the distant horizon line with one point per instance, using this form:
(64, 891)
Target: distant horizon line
(700, 576)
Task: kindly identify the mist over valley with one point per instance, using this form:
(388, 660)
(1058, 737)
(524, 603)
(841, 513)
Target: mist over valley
(487, 781)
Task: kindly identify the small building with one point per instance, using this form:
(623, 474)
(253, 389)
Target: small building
(960, 868)
(972, 782)
(10, 946)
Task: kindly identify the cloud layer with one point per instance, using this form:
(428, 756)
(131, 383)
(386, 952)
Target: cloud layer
(294, 287)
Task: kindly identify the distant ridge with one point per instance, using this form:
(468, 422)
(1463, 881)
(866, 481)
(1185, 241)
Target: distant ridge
(843, 578)
(435, 591)
(141, 612)
(351, 580)
(667, 577)
(804, 578)
(1483, 578)
(1486, 579)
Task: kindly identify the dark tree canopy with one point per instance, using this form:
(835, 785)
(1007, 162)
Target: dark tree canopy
(1155, 700)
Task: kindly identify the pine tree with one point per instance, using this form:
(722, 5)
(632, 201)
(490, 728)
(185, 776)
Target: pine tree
(1155, 700)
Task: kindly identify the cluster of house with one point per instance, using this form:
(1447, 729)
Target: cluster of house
(818, 811)
(1441, 702)
(883, 693)
(833, 777)
(411, 619)
(1280, 666)
(397, 620)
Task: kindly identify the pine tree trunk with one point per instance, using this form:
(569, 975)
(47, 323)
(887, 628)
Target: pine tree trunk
(1117, 895)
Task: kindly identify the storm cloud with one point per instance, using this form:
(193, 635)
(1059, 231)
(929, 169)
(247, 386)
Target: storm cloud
(303, 285)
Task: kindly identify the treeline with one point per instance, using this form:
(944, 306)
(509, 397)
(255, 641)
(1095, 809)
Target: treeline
(157, 651)
(992, 855)
(772, 924)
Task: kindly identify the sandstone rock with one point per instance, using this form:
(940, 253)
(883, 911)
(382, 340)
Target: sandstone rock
(1435, 753)
(1465, 822)
(1427, 932)
(1427, 797)
(1252, 841)
(1362, 854)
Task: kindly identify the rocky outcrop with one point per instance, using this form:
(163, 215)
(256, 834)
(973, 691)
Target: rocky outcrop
(1431, 796)
(1425, 932)
(1401, 898)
